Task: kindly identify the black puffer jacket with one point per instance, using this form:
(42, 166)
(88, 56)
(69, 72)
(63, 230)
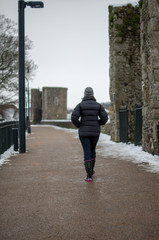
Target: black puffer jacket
(88, 116)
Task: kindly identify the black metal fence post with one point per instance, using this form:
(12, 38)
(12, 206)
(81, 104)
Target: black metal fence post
(138, 126)
(22, 140)
(15, 138)
(123, 124)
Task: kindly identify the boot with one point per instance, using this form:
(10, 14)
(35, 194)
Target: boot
(93, 165)
(88, 168)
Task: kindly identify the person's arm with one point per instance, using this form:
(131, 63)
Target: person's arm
(75, 116)
(103, 116)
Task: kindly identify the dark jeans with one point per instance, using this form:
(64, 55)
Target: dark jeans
(89, 147)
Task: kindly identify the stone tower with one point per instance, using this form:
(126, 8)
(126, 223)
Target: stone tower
(150, 74)
(134, 68)
(54, 103)
(125, 68)
(36, 106)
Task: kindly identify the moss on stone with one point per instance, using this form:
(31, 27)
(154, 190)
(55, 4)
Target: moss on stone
(140, 3)
(131, 20)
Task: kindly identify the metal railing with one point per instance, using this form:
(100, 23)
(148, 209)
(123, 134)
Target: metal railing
(6, 135)
(123, 124)
(138, 126)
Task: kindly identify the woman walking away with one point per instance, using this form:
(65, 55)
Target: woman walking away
(88, 116)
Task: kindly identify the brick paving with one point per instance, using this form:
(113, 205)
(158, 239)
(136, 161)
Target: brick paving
(43, 194)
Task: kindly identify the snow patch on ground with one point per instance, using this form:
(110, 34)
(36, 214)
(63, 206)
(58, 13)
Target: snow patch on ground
(128, 152)
(5, 157)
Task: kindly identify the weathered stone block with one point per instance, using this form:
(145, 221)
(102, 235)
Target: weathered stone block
(153, 8)
(156, 74)
(155, 114)
(118, 39)
(154, 39)
(154, 105)
(121, 48)
(156, 90)
(119, 21)
(153, 24)
(120, 59)
(155, 62)
(155, 51)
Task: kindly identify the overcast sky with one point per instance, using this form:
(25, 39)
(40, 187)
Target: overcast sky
(71, 46)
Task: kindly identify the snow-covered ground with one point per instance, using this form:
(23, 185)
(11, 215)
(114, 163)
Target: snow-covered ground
(5, 157)
(107, 148)
(127, 152)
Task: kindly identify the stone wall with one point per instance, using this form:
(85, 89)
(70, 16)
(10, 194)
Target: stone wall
(54, 103)
(36, 106)
(150, 73)
(134, 69)
(59, 123)
(125, 69)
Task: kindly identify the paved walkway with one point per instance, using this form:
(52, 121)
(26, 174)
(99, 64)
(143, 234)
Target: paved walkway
(43, 194)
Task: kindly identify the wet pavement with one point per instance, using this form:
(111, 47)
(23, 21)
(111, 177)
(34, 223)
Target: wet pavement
(43, 194)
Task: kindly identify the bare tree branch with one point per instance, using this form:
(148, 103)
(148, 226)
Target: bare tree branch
(9, 61)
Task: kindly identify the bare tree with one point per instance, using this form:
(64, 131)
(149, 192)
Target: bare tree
(9, 61)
